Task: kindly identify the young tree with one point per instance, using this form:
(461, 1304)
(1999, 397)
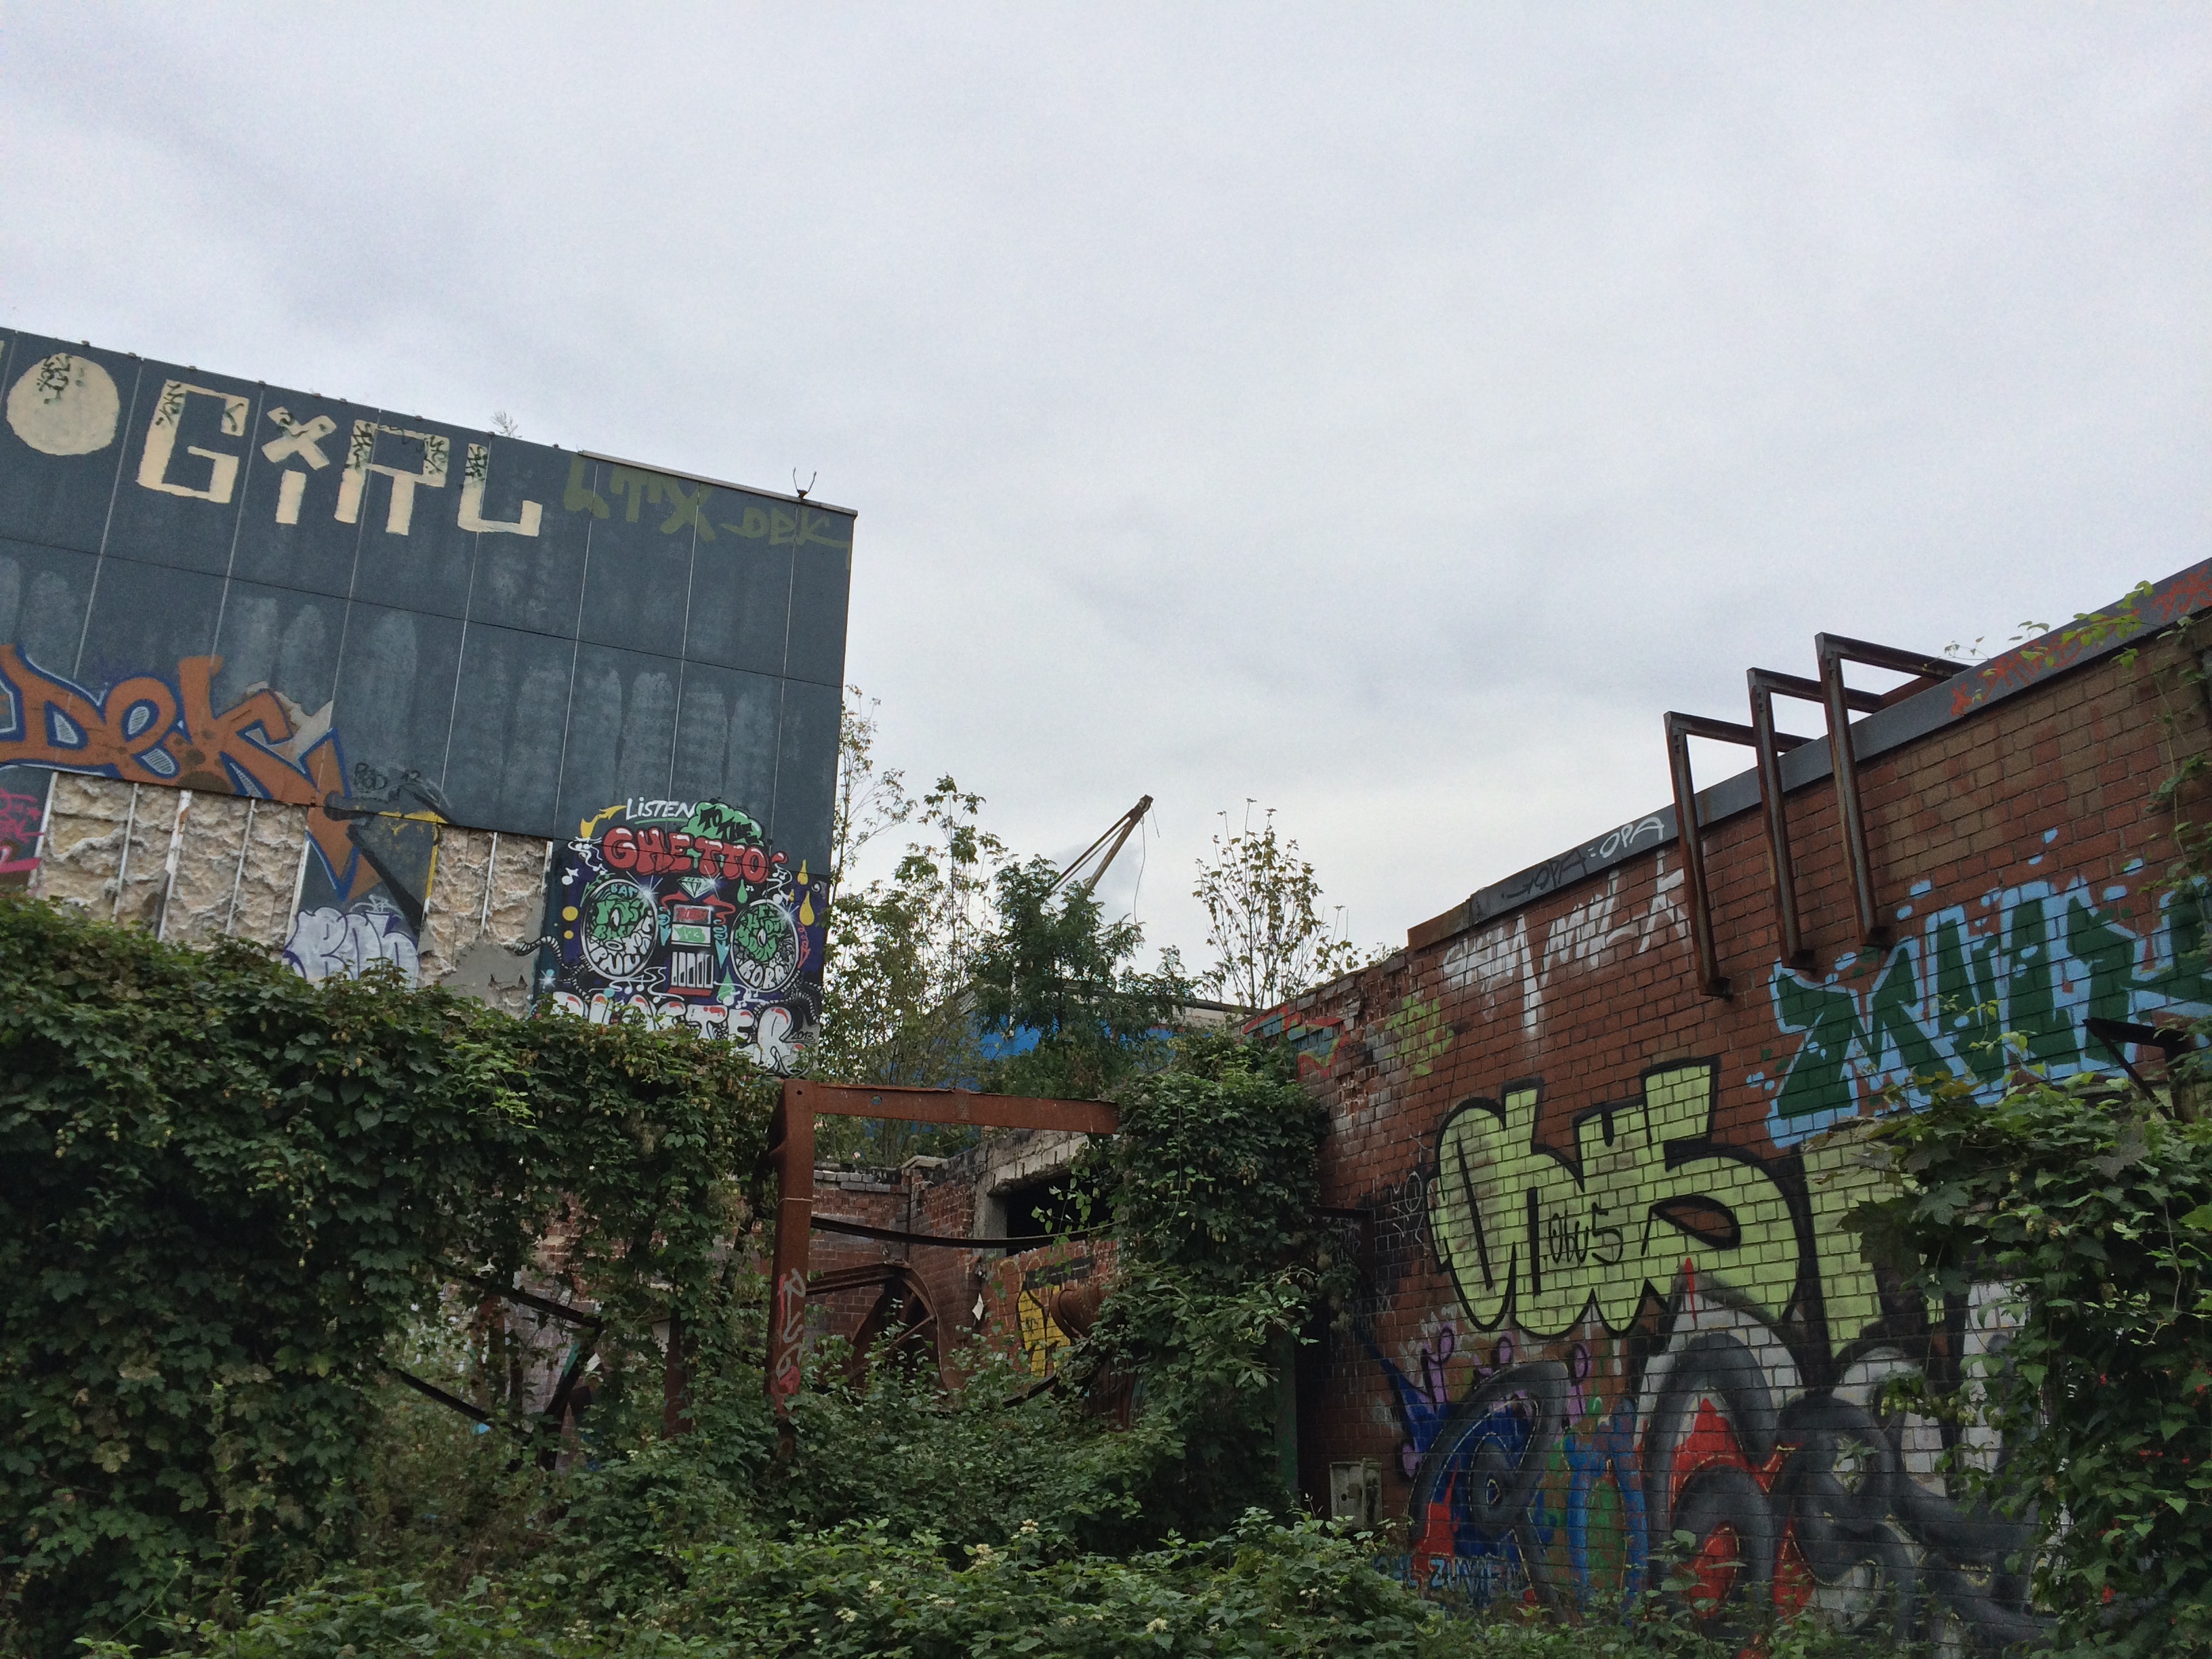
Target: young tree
(1263, 914)
(1055, 966)
(870, 800)
(899, 946)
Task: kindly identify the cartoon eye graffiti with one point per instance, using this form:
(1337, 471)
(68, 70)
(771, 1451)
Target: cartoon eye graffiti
(763, 946)
(617, 925)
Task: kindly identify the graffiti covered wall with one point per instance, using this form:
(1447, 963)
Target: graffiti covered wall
(202, 579)
(193, 868)
(1610, 1298)
(681, 910)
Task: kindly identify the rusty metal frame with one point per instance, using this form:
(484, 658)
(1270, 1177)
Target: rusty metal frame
(791, 1153)
(1697, 897)
(1834, 650)
(1766, 684)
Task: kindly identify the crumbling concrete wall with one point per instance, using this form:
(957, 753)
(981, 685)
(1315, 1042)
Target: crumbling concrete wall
(195, 867)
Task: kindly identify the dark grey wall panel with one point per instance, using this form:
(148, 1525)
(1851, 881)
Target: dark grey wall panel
(543, 633)
(621, 731)
(413, 554)
(186, 461)
(820, 579)
(530, 582)
(279, 637)
(44, 592)
(726, 726)
(637, 578)
(503, 767)
(806, 767)
(289, 534)
(740, 604)
(396, 683)
(59, 398)
(145, 618)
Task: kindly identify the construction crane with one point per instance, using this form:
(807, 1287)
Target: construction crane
(1117, 834)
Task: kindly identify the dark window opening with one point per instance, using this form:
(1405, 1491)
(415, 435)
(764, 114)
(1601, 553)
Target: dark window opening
(1051, 1207)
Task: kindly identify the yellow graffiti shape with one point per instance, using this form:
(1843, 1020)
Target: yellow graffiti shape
(1542, 1236)
(1422, 1036)
(1041, 1336)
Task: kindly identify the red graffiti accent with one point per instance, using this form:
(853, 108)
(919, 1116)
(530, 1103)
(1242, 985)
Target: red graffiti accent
(2060, 648)
(1711, 1443)
(652, 852)
(1437, 1539)
(790, 1330)
(19, 833)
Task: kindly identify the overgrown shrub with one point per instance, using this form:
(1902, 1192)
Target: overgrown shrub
(2072, 1222)
(1213, 1182)
(224, 1190)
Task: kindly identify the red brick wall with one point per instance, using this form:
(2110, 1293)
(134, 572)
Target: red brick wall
(1610, 1296)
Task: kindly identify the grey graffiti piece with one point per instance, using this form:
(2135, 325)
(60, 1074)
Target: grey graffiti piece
(1715, 1365)
(328, 943)
(1880, 1545)
(1466, 1469)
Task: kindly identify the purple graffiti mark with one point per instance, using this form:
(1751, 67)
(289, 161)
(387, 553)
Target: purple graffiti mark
(1478, 1491)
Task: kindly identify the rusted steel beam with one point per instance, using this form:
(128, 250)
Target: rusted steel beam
(838, 1224)
(852, 1279)
(792, 1150)
(1833, 651)
(1690, 837)
(1766, 685)
(1094, 1117)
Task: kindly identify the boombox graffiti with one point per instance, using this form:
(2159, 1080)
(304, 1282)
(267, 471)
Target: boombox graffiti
(679, 910)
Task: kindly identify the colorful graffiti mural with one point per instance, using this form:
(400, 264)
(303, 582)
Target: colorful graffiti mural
(371, 838)
(2040, 958)
(1559, 1478)
(1659, 1329)
(680, 910)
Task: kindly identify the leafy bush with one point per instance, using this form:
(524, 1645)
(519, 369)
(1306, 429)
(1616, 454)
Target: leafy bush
(1213, 1180)
(227, 1189)
(2092, 1209)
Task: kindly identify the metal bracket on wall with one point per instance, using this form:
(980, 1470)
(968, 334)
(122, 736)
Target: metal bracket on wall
(1696, 896)
(1766, 684)
(1834, 650)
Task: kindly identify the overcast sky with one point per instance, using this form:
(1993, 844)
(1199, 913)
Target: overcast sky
(1380, 413)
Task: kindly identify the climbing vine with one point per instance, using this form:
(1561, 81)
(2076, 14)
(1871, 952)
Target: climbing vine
(227, 1189)
(1213, 1180)
(2062, 1240)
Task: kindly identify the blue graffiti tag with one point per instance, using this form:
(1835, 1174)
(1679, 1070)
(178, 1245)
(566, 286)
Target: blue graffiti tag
(2029, 963)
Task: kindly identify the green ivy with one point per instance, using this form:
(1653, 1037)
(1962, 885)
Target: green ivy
(1213, 1180)
(227, 1190)
(2090, 1212)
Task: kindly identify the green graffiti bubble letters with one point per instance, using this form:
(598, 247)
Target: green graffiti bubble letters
(1541, 1238)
